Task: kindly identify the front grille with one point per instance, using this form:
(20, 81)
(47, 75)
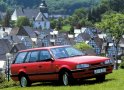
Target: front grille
(95, 64)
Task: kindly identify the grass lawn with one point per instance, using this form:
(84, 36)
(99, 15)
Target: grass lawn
(114, 81)
(66, 28)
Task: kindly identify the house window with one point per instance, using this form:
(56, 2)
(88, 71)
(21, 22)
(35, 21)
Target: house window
(112, 51)
(46, 43)
(44, 24)
(97, 50)
(52, 43)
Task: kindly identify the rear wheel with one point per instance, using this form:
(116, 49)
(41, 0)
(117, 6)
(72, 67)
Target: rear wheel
(24, 81)
(100, 78)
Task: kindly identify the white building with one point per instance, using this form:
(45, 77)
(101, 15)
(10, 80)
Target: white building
(39, 16)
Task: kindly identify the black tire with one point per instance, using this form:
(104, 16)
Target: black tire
(100, 78)
(65, 78)
(24, 81)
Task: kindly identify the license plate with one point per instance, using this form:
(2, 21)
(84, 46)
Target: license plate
(98, 71)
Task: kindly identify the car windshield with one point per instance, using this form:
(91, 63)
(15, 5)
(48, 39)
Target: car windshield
(65, 52)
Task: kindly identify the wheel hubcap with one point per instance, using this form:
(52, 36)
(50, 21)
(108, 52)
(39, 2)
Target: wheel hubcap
(23, 82)
(65, 79)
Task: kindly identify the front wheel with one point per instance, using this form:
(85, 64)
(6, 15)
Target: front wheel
(65, 79)
(24, 81)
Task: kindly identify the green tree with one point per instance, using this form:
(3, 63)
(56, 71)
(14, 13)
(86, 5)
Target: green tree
(116, 5)
(53, 24)
(113, 24)
(22, 21)
(6, 20)
(59, 23)
(80, 13)
(95, 13)
(71, 30)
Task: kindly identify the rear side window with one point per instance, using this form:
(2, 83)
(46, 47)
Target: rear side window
(20, 58)
(33, 56)
(28, 57)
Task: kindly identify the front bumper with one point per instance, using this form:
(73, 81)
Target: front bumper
(89, 72)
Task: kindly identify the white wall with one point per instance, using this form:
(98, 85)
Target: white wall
(14, 16)
(2, 64)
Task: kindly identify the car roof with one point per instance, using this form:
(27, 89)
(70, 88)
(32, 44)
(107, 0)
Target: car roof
(41, 48)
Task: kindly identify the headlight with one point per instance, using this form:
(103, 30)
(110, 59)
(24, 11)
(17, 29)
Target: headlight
(108, 62)
(81, 66)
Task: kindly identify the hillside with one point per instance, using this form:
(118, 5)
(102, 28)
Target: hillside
(55, 6)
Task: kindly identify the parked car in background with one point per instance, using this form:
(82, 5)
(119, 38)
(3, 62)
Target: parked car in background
(58, 63)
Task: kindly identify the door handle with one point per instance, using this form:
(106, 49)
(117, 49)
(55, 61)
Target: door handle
(24, 67)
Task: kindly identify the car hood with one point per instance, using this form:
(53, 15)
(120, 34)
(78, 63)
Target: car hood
(85, 59)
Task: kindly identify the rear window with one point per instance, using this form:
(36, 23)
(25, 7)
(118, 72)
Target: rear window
(20, 57)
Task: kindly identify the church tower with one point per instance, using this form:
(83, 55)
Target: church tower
(43, 7)
(42, 19)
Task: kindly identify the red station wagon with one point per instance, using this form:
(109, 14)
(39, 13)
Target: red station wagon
(58, 63)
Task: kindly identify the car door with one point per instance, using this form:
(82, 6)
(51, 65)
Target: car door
(46, 66)
(17, 64)
(31, 65)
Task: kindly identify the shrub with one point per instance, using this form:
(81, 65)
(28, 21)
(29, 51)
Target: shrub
(4, 83)
(122, 62)
(2, 77)
(82, 46)
(122, 58)
(122, 65)
(7, 84)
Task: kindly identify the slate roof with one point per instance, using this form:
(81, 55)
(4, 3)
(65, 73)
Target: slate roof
(41, 17)
(14, 39)
(29, 31)
(29, 13)
(98, 41)
(65, 39)
(85, 36)
(5, 47)
(121, 41)
(24, 31)
(18, 46)
(14, 31)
